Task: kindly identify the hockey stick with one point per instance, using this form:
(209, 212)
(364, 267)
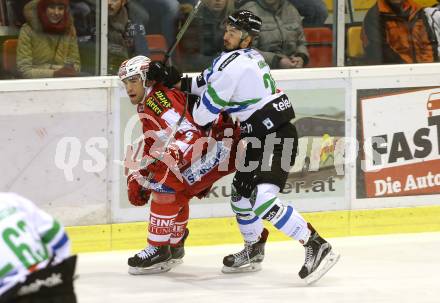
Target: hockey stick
(175, 128)
(182, 31)
(167, 56)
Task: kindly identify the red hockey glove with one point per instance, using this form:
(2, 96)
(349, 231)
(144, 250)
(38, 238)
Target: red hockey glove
(137, 195)
(223, 122)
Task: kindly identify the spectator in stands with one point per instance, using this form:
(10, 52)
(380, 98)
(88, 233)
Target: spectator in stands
(281, 40)
(203, 40)
(163, 21)
(314, 12)
(433, 16)
(395, 31)
(126, 36)
(83, 16)
(47, 45)
(17, 16)
(138, 12)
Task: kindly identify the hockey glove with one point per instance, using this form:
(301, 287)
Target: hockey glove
(137, 195)
(174, 76)
(224, 122)
(157, 71)
(168, 75)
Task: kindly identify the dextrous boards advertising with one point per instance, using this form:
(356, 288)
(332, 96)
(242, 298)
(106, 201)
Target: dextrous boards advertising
(399, 135)
(317, 180)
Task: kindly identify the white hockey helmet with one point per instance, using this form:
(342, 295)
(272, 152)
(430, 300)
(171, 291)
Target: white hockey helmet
(138, 65)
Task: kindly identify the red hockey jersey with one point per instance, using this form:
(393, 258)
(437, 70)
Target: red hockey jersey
(204, 160)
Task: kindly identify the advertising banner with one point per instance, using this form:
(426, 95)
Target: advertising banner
(316, 181)
(399, 131)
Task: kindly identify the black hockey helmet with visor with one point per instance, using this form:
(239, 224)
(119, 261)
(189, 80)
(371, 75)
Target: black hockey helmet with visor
(245, 21)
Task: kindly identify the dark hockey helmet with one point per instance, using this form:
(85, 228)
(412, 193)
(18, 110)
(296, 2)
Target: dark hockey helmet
(246, 20)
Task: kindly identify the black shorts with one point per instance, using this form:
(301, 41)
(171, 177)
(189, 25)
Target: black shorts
(273, 167)
(59, 289)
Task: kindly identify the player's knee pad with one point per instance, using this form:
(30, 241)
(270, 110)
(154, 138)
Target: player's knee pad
(264, 201)
(243, 185)
(283, 216)
(239, 204)
(250, 225)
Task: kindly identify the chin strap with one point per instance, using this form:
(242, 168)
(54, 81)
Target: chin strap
(243, 36)
(147, 90)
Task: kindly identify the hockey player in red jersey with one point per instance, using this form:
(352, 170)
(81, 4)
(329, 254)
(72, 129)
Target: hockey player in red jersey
(179, 162)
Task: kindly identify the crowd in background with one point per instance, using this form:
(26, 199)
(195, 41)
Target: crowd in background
(58, 38)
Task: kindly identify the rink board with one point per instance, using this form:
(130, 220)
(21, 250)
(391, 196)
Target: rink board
(214, 231)
(63, 143)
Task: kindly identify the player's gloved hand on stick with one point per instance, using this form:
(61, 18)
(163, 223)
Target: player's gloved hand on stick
(174, 76)
(157, 71)
(168, 75)
(137, 195)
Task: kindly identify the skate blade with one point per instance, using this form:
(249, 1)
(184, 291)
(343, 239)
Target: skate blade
(155, 269)
(252, 267)
(329, 261)
(175, 262)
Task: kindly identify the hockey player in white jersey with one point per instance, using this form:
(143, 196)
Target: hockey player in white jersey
(239, 82)
(35, 263)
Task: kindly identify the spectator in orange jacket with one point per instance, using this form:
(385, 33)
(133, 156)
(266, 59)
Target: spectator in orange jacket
(396, 31)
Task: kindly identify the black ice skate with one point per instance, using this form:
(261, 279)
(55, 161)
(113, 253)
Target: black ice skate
(249, 259)
(151, 260)
(178, 252)
(319, 258)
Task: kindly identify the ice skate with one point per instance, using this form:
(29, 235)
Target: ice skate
(178, 252)
(151, 260)
(247, 260)
(320, 258)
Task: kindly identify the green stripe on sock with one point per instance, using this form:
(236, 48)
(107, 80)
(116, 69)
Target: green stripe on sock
(52, 232)
(240, 209)
(262, 208)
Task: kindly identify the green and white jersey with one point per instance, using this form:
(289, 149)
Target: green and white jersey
(238, 82)
(29, 238)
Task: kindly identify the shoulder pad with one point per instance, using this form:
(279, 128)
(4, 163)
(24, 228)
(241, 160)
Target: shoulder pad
(228, 60)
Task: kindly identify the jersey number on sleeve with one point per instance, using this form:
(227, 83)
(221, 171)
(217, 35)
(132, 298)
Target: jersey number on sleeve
(28, 257)
(268, 80)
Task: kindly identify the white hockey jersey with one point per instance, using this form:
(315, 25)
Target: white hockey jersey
(238, 82)
(29, 238)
